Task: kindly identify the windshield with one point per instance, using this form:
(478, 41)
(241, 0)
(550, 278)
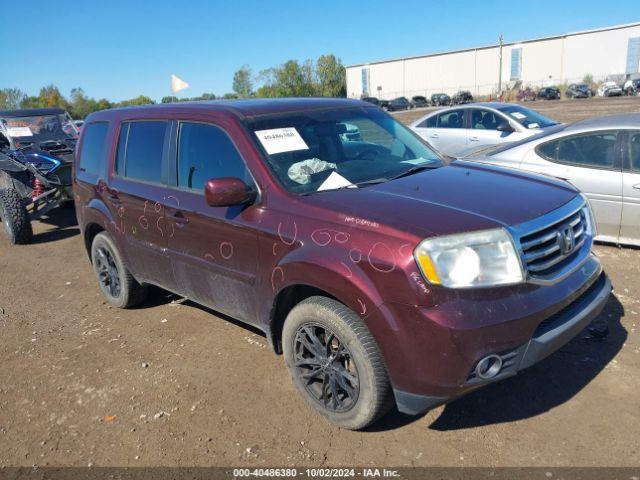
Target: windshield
(339, 148)
(40, 128)
(526, 117)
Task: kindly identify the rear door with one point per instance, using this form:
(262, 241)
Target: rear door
(213, 249)
(135, 194)
(630, 225)
(592, 162)
(446, 131)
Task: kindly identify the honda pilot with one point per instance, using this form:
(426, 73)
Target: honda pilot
(382, 274)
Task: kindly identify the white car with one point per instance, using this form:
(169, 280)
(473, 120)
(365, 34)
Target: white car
(609, 89)
(457, 129)
(600, 156)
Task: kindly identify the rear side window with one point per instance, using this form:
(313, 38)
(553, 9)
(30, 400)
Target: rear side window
(93, 146)
(140, 150)
(451, 119)
(206, 151)
(594, 150)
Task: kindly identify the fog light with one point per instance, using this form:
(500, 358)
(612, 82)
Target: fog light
(489, 367)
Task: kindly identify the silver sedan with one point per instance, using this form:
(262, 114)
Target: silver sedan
(600, 156)
(453, 130)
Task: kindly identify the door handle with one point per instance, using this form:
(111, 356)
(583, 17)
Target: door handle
(115, 199)
(474, 139)
(179, 218)
(637, 186)
(434, 135)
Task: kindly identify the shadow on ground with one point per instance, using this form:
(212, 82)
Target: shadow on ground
(64, 221)
(536, 390)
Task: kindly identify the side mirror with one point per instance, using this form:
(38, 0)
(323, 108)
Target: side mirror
(227, 191)
(504, 127)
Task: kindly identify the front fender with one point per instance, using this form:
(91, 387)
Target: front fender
(320, 268)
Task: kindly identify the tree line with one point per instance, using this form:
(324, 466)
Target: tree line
(325, 78)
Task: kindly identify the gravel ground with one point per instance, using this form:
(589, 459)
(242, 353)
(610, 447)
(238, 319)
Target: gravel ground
(172, 384)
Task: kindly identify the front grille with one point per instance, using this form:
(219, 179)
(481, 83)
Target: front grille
(550, 249)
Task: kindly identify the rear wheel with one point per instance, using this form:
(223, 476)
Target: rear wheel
(335, 363)
(116, 282)
(14, 217)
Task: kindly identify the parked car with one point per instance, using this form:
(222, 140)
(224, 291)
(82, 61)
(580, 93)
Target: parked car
(440, 100)
(372, 100)
(36, 154)
(383, 104)
(366, 262)
(609, 89)
(632, 87)
(526, 95)
(578, 90)
(419, 101)
(400, 103)
(600, 156)
(455, 130)
(463, 96)
(549, 93)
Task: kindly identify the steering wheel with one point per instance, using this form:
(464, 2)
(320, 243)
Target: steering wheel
(365, 152)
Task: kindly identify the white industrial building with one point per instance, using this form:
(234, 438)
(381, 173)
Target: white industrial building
(605, 53)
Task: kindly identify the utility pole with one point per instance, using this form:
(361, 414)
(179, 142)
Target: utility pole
(500, 70)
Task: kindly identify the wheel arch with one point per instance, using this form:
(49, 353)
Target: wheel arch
(356, 292)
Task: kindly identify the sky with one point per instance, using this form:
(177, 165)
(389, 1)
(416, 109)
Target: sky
(119, 49)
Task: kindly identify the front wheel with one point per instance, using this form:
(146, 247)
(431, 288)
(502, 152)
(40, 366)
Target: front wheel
(335, 363)
(14, 217)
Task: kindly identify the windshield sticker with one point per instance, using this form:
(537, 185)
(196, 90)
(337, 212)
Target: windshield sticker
(279, 140)
(533, 125)
(19, 132)
(518, 115)
(334, 181)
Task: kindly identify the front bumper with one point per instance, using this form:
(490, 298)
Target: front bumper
(431, 352)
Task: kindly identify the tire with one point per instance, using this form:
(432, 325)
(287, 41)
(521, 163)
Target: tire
(14, 217)
(116, 282)
(357, 356)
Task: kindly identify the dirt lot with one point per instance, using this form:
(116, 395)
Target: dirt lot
(561, 110)
(169, 383)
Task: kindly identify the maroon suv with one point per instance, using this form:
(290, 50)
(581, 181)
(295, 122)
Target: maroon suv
(381, 273)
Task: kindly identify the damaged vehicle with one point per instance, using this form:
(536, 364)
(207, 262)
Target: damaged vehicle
(383, 275)
(36, 157)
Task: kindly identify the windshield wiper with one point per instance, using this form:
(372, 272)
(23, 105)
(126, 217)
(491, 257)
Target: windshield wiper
(412, 170)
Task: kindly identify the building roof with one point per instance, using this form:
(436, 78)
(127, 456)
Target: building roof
(239, 108)
(504, 44)
(31, 112)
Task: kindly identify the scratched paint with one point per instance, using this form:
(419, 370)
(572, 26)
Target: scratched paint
(226, 250)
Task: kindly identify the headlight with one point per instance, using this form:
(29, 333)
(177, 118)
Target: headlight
(588, 215)
(477, 259)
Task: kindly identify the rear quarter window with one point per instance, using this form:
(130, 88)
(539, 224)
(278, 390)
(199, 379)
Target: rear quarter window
(428, 122)
(92, 153)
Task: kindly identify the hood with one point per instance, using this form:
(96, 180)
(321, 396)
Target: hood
(463, 196)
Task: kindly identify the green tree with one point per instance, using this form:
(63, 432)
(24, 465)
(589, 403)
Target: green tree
(80, 105)
(331, 76)
(50, 96)
(139, 100)
(11, 98)
(242, 83)
(170, 99)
